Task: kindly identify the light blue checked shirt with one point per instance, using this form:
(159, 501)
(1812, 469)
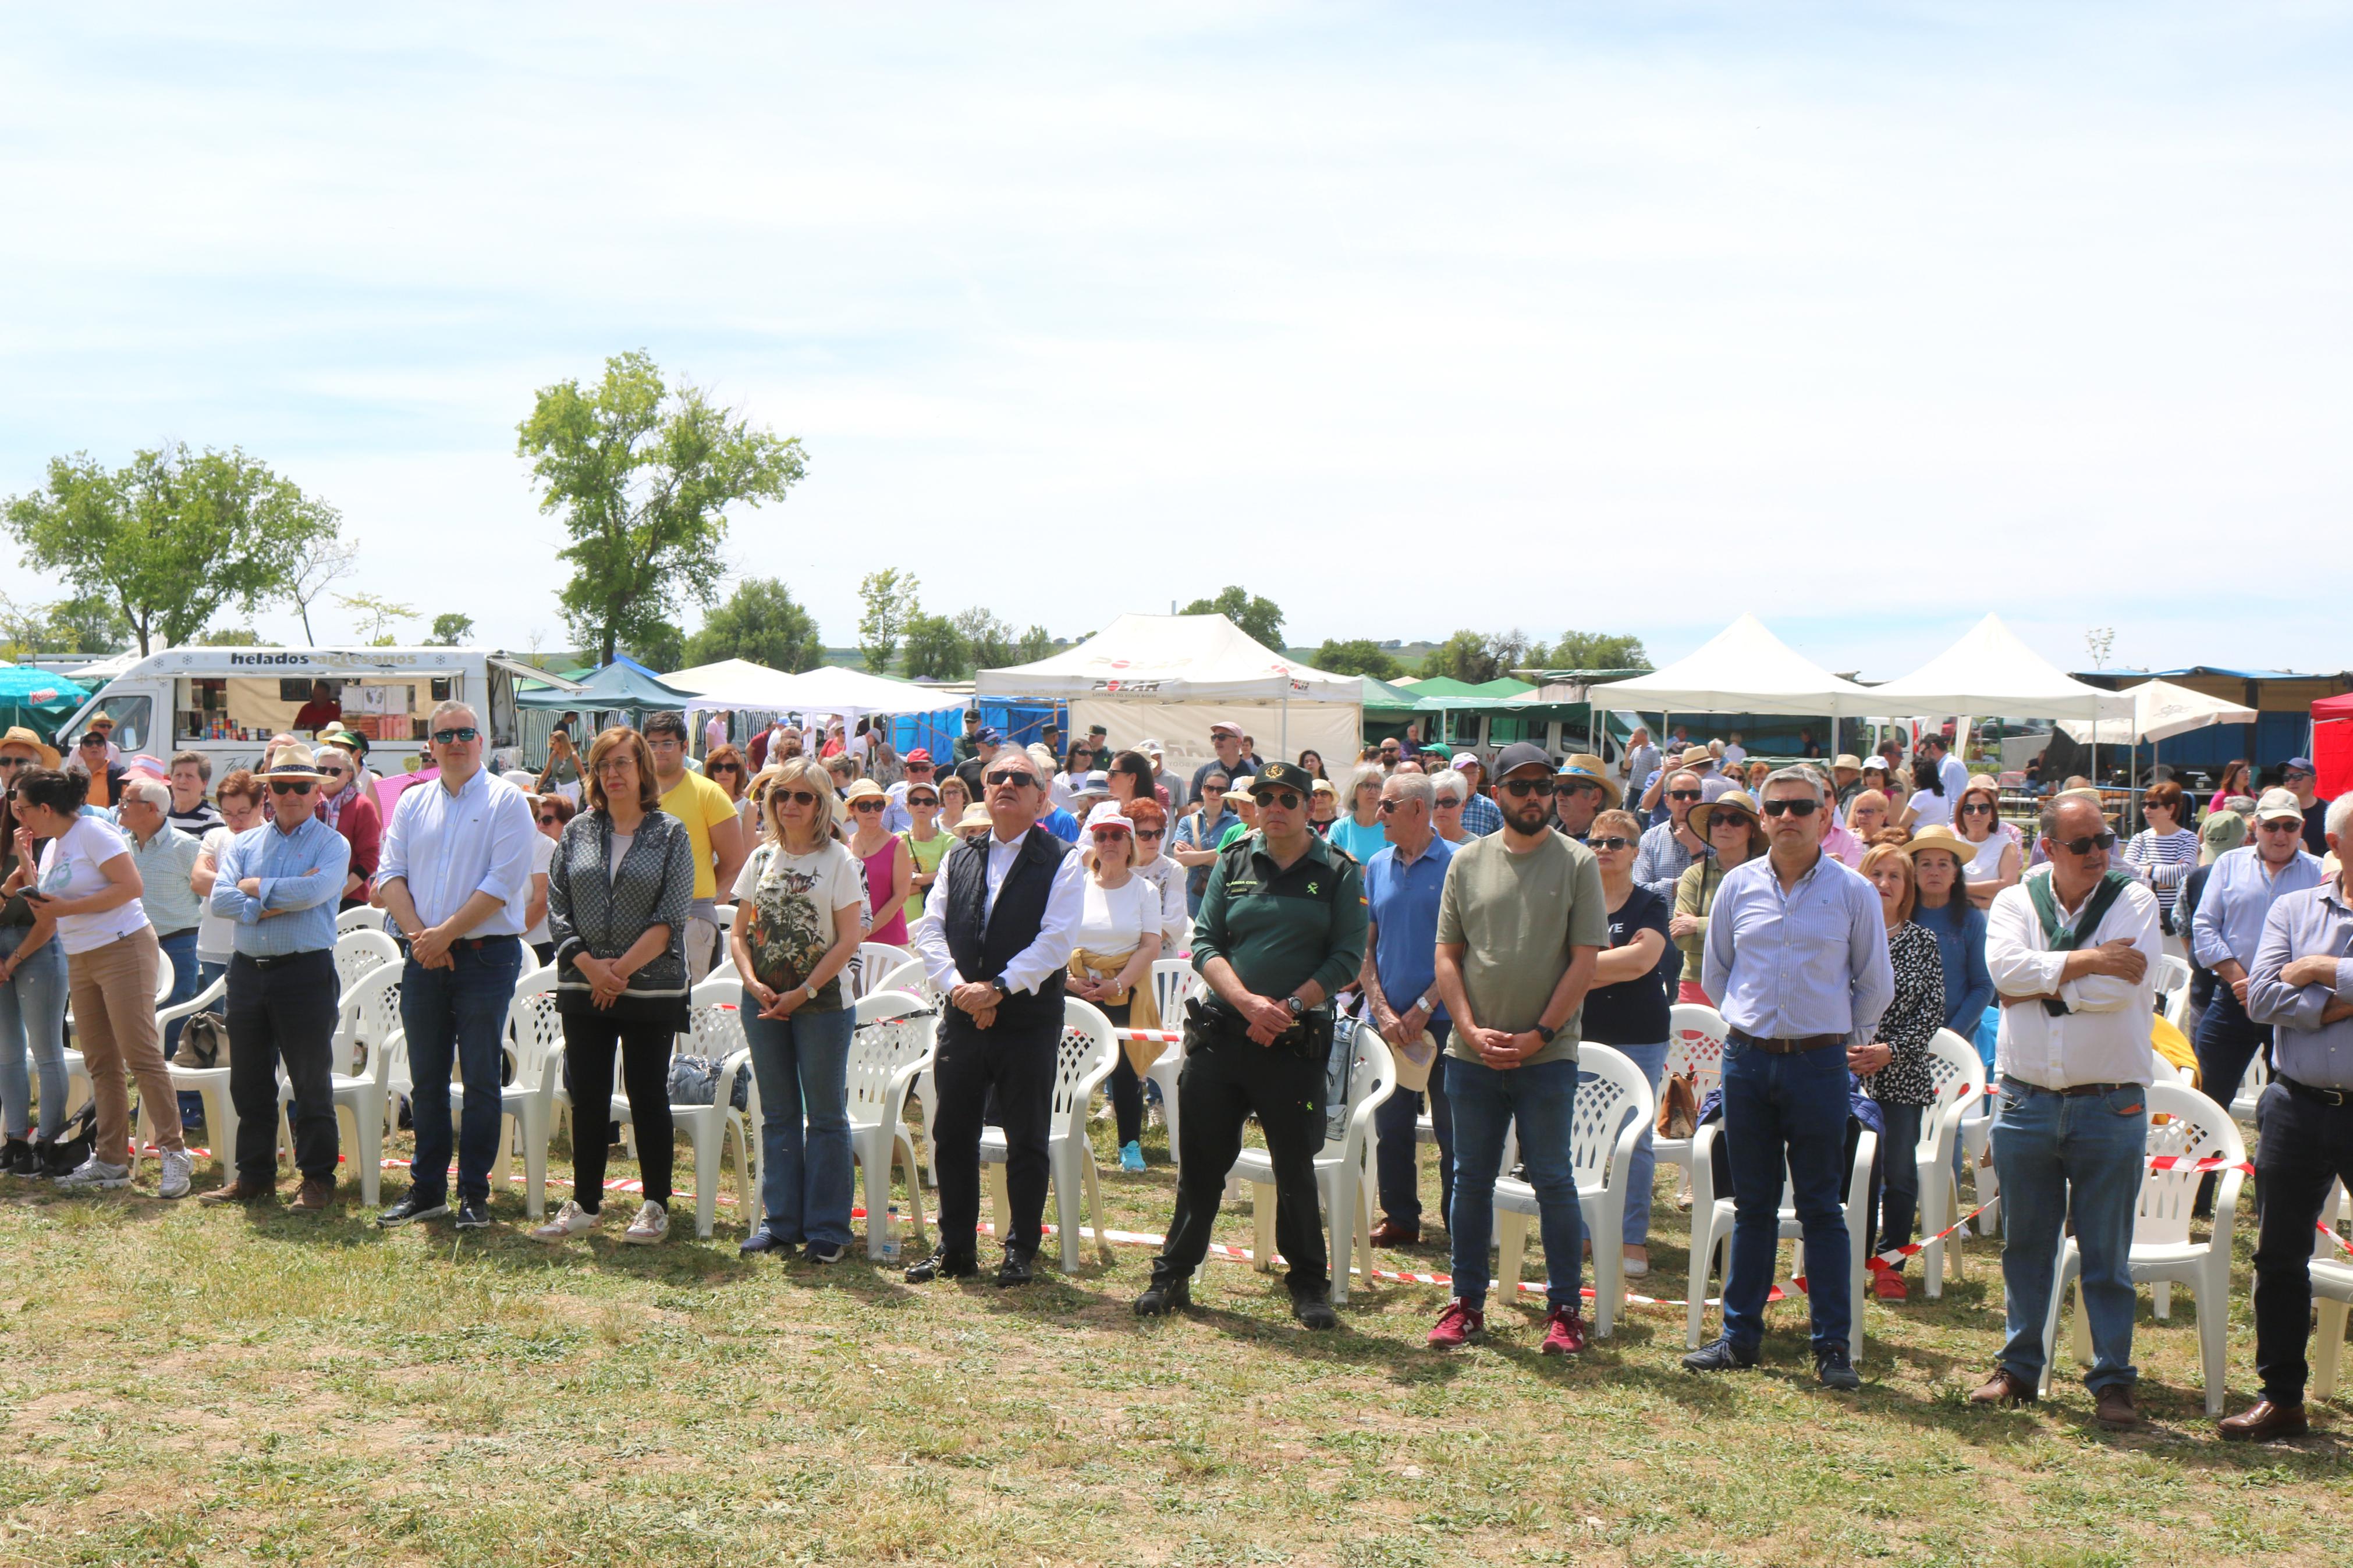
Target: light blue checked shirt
(1812, 962)
(1481, 816)
(165, 862)
(2314, 924)
(301, 872)
(2240, 892)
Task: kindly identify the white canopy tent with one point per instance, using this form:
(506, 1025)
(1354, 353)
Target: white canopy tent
(2160, 709)
(1169, 677)
(1744, 668)
(727, 672)
(830, 688)
(1989, 672)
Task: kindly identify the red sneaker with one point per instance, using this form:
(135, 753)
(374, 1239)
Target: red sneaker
(1456, 1325)
(1889, 1284)
(1564, 1332)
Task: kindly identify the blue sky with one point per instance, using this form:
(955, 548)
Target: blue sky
(1410, 318)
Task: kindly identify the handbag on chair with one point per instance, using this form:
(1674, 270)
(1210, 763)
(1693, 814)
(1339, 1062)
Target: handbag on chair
(1679, 1106)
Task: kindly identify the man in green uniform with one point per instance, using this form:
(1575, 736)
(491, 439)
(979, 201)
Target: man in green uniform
(1282, 927)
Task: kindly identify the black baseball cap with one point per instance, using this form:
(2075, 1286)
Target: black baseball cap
(1520, 754)
(1280, 775)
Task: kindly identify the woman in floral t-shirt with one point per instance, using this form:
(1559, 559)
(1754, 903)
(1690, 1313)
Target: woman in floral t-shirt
(799, 904)
(1895, 1066)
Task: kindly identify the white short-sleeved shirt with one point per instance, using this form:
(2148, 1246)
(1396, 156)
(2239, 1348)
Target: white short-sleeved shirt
(1116, 919)
(217, 934)
(542, 856)
(72, 867)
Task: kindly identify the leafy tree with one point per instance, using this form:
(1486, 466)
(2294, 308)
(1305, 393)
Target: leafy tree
(763, 622)
(936, 650)
(1034, 645)
(451, 629)
(890, 599)
(1465, 655)
(658, 644)
(1259, 619)
(1358, 656)
(376, 614)
(325, 561)
(989, 642)
(231, 636)
(1593, 650)
(643, 476)
(172, 537)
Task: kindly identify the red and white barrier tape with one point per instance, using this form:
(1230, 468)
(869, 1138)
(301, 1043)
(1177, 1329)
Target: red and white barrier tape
(1165, 1036)
(2211, 1163)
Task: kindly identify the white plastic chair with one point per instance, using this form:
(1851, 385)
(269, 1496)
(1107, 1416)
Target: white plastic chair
(366, 1096)
(2185, 1123)
(534, 1045)
(1614, 1103)
(1695, 1036)
(715, 1029)
(863, 974)
(1173, 980)
(211, 1083)
(1084, 1058)
(1343, 1171)
(357, 951)
(892, 1043)
(2332, 1298)
(2251, 1091)
(364, 918)
(2173, 990)
(911, 978)
(1958, 1074)
(1712, 1221)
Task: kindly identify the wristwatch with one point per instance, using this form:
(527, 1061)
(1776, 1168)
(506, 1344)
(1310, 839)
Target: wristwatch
(808, 993)
(1543, 1033)
(1295, 1005)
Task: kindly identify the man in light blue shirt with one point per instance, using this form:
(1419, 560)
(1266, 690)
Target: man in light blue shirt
(281, 883)
(1403, 884)
(2227, 931)
(1797, 963)
(454, 877)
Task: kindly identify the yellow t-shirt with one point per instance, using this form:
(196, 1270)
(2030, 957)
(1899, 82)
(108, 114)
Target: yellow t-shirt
(699, 804)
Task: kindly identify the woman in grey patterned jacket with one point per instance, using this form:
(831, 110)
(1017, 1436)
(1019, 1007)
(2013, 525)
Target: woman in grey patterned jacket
(618, 896)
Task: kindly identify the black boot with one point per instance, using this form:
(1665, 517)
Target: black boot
(16, 1158)
(1165, 1296)
(943, 1263)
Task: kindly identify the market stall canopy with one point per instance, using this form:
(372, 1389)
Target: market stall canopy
(828, 688)
(1172, 659)
(2332, 744)
(703, 677)
(1381, 697)
(39, 700)
(2160, 708)
(1744, 668)
(628, 688)
(1989, 672)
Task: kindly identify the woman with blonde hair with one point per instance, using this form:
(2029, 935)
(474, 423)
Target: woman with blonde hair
(955, 799)
(1895, 1066)
(1111, 953)
(800, 903)
(1734, 836)
(1866, 815)
(1996, 860)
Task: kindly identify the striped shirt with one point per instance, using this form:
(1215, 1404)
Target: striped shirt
(2163, 860)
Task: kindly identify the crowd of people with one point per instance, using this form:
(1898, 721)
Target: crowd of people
(1485, 918)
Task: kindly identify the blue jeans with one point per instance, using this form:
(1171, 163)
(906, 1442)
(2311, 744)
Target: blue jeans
(801, 1064)
(1789, 1109)
(458, 1014)
(2065, 1158)
(1486, 1101)
(208, 971)
(33, 1014)
(1641, 1171)
(1398, 1159)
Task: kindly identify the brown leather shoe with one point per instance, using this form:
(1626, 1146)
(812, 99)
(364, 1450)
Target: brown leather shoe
(317, 1193)
(238, 1193)
(2003, 1388)
(2263, 1422)
(2115, 1406)
(1388, 1233)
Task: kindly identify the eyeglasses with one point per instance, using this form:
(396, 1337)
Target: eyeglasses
(461, 735)
(14, 762)
(1108, 835)
(547, 821)
(723, 768)
(334, 773)
(919, 767)
(1789, 808)
(866, 805)
(1576, 786)
(1010, 775)
(1151, 833)
(797, 796)
(2280, 825)
(2100, 840)
(1612, 842)
(1445, 801)
(1978, 808)
(923, 800)
(1523, 788)
(1213, 789)
(290, 787)
(1287, 799)
(1392, 807)
(1728, 819)
(92, 739)
(1686, 795)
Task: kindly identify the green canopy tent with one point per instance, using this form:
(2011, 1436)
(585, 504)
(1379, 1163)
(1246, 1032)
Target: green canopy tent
(39, 700)
(615, 688)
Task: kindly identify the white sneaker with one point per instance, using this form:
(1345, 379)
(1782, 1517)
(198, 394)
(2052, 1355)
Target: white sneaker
(179, 1168)
(571, 1220)
(95, 1172)
(651, 1226)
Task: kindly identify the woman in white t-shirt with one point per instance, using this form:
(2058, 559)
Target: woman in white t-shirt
(551, 812)
(1112, 952)
(801, 904)
(241, 807)
(88, 884)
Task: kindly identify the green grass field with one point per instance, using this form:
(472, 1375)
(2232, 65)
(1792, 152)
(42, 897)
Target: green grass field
(192, 1386)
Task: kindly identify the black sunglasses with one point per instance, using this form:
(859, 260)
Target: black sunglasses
(1686, 795)
(290, 787)
(1392, 807)
(1790, 807)
(1612, 842)
(458, 736)
(548, 821)
(2103, 839)
(1980, 808)
(723, 768)
(865, 805)
(923, 800)
(1523, 788)
(1287, 799)
(1010, 775)
(797, 796)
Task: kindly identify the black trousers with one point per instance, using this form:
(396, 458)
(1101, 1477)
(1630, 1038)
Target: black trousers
(2227, 1040)
(284, 1013)
(2305, 1146)
(1226, 1080)
(588, 1044)
(1126, 1088)
(1005, 1072)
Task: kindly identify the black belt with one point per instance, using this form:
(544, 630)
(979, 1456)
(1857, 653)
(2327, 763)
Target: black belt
(2339, 1097)
(278, 960)
(2073, 1090)
(1787, 1048)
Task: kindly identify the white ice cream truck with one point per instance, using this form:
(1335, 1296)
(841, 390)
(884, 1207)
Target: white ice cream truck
(227, 701)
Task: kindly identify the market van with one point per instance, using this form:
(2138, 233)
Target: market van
(226, 702)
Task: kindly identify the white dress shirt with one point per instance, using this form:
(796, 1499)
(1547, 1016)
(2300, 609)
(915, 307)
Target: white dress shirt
(449, 846)
(1048, 953)
(2104, 1036)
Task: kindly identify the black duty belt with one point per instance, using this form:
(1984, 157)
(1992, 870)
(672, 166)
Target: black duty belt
(1786, 1048)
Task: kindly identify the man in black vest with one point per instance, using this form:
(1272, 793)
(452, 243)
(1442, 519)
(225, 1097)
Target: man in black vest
(995, 943)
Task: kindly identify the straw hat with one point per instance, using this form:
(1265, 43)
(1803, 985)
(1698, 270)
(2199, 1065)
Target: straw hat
(1696, 757)
(1847, 759)
(862, 789)
(1940, 836)
(293, 761)
(18, 735)
(1741, 802)
(974, 816)
(1592, 770)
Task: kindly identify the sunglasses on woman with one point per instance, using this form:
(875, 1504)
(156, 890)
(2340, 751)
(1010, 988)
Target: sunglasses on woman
(723, 768)
(1976, 808)
(548, 821)
(797, 796)
(1614, 841)
(1150, 833)
(865, 805)
(923, 800)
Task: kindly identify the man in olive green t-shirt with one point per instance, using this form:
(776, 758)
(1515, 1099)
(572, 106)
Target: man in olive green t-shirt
(1520, 924)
